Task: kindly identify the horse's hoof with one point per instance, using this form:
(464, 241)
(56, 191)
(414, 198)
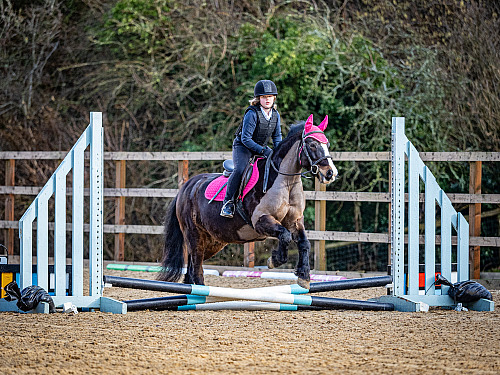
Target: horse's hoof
(270, 264)
(304, 283)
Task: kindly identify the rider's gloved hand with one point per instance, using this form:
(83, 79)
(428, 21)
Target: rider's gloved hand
(266, 151)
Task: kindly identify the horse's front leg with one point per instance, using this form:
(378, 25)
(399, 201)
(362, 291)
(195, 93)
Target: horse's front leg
(269, 226)
(304, 246)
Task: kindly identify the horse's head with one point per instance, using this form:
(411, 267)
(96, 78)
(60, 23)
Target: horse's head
(314, 154)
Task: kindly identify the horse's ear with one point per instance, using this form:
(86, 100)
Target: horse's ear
(309, 124)
(323, 124)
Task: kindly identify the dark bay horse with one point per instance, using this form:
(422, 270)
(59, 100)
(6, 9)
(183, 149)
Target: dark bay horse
(193, 227)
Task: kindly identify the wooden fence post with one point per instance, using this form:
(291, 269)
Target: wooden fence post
(120, 178)
(319, 225)
(249, 254)
(9, 204)
(475, 218)
(182, 172)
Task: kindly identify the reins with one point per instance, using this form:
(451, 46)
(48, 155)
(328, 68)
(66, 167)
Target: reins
(314, 170)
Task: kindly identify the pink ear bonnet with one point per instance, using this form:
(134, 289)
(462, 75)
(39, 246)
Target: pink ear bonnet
(314, 131)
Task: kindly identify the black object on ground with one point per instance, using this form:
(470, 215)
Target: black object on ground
(29, 298)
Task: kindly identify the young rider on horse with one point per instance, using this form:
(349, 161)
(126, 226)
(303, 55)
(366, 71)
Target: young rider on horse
(261, 121)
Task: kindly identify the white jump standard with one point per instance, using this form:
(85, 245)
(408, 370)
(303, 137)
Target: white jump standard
(409, 299)
(38, 210)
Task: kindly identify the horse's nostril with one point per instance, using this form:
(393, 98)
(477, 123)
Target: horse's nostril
(329, 174)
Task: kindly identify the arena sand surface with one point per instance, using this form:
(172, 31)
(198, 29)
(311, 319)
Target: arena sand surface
(254, 342)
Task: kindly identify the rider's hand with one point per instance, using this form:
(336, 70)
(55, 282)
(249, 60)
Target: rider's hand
(266, 151)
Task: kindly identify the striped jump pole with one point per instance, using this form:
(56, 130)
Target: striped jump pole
(164, 303)
(247, 306)
(144, 268)
(334, 304)
(172, 302)
(168, 287)
(280, 275)
(326, 286)
(192, 302)
(285, 294)
(366, 282)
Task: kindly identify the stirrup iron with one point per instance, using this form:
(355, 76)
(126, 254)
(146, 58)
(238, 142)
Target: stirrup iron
(227, 209)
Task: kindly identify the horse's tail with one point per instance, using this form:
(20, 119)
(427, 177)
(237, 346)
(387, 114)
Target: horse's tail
(173, 252)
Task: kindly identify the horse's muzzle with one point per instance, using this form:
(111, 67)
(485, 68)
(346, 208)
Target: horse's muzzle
(332, 174)
(327, 177)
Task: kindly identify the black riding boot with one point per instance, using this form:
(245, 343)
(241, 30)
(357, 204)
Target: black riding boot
(227, 208)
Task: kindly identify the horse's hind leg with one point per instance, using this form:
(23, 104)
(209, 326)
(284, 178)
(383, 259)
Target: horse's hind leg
(269, 226)
(208, 248)
(191, 275)
(195, 250)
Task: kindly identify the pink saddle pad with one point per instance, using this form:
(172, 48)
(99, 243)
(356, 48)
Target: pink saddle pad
(216, 184)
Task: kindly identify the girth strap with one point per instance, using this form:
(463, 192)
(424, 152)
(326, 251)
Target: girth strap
(241, 211)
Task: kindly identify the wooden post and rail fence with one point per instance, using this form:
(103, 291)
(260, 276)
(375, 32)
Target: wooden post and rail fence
(319, 235)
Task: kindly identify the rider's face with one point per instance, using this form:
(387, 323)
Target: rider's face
(267, 101)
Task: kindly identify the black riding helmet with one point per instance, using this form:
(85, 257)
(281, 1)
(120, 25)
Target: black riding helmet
(265, 87)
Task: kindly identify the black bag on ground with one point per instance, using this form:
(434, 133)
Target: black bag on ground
(29, 297)
(465, 291)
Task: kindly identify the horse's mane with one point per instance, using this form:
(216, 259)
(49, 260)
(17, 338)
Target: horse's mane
(293, 136)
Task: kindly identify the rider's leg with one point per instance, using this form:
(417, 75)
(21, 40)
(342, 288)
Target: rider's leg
(241, 156)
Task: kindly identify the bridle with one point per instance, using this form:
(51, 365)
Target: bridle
(314, 168)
